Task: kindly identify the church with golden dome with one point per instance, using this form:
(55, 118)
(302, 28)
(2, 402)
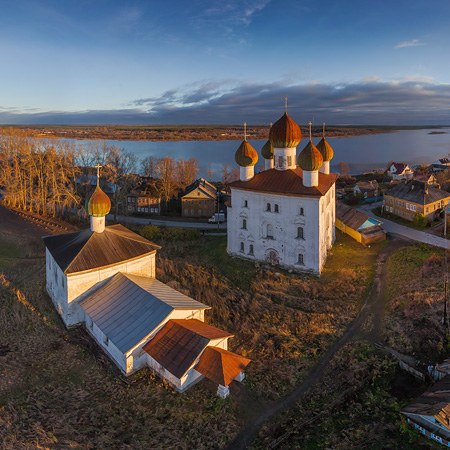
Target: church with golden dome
(103, 279)
(285, 214)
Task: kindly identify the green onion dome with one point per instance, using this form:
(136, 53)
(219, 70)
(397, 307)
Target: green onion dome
(285, 133)
(99, 203)
(325, 149)
(310, 158)
(246, 155)
(267, 150)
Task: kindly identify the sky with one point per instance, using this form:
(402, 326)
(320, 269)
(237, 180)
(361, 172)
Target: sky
(224, 62)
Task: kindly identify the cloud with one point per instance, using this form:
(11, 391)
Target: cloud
(411, 43)
(408, 101)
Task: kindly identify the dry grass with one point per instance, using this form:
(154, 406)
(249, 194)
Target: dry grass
(58, 391)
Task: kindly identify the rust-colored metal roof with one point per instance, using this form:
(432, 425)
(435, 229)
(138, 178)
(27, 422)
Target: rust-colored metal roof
(246, 155)
(267, 150)
(351, 217)
(285, 133)
(221, 366)
(325, 149)
(180, 342)
(86, 250)
(286, 182)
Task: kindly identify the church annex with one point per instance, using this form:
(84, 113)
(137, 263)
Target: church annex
(284, 215)
(104, 278)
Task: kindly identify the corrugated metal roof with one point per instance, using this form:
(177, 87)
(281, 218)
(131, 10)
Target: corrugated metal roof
(86, 250)
(221, 366)
(127, 307)
(180, 342)
(287, 182)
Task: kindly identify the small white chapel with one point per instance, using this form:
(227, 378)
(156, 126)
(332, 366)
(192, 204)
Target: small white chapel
(285, 214)
(103, 278)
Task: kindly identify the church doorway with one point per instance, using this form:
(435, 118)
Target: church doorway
(272, 257)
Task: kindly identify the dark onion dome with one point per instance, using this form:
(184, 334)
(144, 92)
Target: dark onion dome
(325, 149)
(99, 204)
(310, 158)
(285, 133)
(267, 150)
(246, 155)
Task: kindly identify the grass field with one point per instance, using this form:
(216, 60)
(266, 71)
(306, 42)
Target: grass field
(57, 390)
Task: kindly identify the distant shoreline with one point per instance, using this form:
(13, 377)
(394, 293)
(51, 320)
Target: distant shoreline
(195, 132)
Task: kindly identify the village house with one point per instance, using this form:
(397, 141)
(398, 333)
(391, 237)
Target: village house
(430, 412)
(143, 200)
(285, 214)
(104, 279)
(368, 189)
(408, 199)
(426, 177)
(399, 171)
(199, 199)
(358, 225)
(440, 165)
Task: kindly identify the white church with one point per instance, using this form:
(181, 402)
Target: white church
(284, 215)
(103, 278)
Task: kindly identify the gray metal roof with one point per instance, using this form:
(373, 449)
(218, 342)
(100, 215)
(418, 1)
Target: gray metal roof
(417, 192)
(127, 307)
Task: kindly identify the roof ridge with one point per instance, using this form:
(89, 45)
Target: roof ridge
(78, 254)
(131, 238)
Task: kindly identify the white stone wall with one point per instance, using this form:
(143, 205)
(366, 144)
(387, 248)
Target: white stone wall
(56, 284)
(253, 226)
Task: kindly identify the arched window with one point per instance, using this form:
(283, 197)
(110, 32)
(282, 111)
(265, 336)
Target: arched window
(300, 234)
(242, 247)
(302, 211)
(276, 208)
(244, 224)
(269, 233)
(245, 203)
(300, 259)
(250, 249)
(268, 208)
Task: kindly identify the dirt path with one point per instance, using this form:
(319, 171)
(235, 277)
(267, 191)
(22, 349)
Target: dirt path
(367, 324)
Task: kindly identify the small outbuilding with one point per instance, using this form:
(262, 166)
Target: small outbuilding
(358, 225)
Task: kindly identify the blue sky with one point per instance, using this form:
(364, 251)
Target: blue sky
(208, 61)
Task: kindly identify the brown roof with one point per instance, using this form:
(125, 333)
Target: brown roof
(399, 167)
(367, 185)
(221, 366)
(287, 182)
(86, 250)
(351, 217)
(433, 402)
(180, 342)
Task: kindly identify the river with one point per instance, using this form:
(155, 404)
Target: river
(362, 153)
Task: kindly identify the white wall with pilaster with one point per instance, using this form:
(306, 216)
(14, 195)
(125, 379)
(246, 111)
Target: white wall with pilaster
(317, 220)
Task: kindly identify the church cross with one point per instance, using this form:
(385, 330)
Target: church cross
(310, 130)
(323, 130)
(285, 104)
(98, 166)
(245, 131)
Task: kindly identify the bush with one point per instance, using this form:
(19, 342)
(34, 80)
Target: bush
(154, 233)
(420, 220)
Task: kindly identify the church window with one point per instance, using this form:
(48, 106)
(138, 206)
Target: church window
(276, 208)
(105, 340)
(242, 247)
(289, 160)
(245, 203)
(302, 211)
(250, 249)
(280, 161)
(244, 224)
(269, 233)
(268, 207)
(300, 233)
(300, 259)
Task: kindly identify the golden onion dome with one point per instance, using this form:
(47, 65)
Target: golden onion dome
(285, 133)
(325, 149)
(310, 158)
(246, 155)
(267, 150)
(99, 203)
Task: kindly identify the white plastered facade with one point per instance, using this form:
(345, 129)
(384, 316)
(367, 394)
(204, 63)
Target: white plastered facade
(294, 226)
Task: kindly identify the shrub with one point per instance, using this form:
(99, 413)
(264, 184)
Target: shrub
(154, 233)
(420, 220)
